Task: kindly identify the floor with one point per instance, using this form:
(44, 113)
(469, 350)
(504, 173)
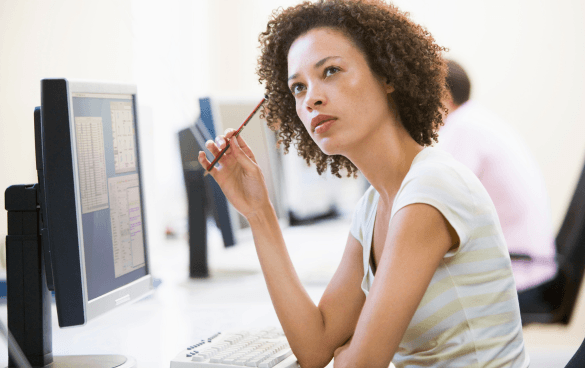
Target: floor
(183, 311)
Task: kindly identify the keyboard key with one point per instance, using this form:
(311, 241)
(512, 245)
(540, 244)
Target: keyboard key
(275, 359)
(198, 358)
(261, 349)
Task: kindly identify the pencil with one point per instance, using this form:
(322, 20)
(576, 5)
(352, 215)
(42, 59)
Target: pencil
(236, 135)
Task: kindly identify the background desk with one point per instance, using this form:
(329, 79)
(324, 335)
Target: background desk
(183, 311)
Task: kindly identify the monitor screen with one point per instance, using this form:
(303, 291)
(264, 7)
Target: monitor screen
(111, 211)
(94, 198)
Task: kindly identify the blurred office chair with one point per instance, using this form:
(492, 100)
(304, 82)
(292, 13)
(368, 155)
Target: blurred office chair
(554, 300)
(578, 360)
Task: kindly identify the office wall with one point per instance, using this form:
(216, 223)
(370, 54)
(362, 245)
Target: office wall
(234, 43)
(171, 40)
(41, 39)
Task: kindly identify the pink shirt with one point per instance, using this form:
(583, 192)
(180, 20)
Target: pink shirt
(502, 162)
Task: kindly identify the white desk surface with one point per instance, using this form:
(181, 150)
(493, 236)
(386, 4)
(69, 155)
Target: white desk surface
(183, 311)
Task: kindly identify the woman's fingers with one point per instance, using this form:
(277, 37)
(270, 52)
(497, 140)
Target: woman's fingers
(212, 147)
(220, 141)
(215, 151)
(229, 133)
(242, 158)
(246, 148)
(238, 148)
(205, 163)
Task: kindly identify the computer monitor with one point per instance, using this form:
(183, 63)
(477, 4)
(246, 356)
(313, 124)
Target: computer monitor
(230, 112)
(226, 217)
(204, 195)
(191, 141)
(91, 201)
(94, 197)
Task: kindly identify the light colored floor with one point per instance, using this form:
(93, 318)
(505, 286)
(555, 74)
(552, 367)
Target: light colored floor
(183, 311)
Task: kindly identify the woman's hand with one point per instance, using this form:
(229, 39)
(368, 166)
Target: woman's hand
(237, 173)
(340, 353)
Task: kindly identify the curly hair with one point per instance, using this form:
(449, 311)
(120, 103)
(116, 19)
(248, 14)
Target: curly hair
(395, 48)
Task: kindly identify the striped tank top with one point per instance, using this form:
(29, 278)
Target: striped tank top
(469, 315)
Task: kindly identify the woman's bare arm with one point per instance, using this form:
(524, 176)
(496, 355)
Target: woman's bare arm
(418, 238)
(313, 332)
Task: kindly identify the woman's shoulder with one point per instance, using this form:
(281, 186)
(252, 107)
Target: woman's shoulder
(439, 163)
(437, 179)
(435, 170)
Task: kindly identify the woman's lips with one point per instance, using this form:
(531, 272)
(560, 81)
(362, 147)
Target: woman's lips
(323, 127)
(319, 119)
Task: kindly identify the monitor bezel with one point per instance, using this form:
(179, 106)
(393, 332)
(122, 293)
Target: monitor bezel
(132, 291)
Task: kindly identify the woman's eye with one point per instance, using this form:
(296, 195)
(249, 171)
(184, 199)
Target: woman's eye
(331, 70)
(297, 88)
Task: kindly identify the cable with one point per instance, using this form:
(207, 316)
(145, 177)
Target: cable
(16, 353)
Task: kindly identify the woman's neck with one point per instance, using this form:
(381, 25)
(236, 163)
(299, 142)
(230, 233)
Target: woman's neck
(385, 157)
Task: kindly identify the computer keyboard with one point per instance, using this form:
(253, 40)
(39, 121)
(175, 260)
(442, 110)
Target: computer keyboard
(266, 348)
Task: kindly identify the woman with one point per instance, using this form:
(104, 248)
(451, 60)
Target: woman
(425, 279)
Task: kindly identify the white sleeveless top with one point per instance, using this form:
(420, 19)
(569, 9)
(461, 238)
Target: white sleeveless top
(469, 315)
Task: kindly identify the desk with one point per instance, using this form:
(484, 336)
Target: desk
(183, 311)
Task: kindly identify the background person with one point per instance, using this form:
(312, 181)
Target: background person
(503, 163)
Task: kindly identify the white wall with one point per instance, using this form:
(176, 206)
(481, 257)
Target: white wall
(234, 43)
(40, 39)
(171, 66)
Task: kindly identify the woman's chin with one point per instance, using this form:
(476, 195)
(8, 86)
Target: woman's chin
(329, 148)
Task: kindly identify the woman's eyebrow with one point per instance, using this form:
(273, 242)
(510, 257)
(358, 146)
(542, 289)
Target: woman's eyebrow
(322, 61)
(318, 64)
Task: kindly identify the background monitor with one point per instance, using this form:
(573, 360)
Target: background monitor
(95, 216)
(203, 130)
(230, 112)
(204, 195)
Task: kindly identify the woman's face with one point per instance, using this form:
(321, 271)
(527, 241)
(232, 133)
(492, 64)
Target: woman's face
(338, 98)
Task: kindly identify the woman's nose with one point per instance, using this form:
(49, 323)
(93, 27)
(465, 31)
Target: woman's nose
(315, 98)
